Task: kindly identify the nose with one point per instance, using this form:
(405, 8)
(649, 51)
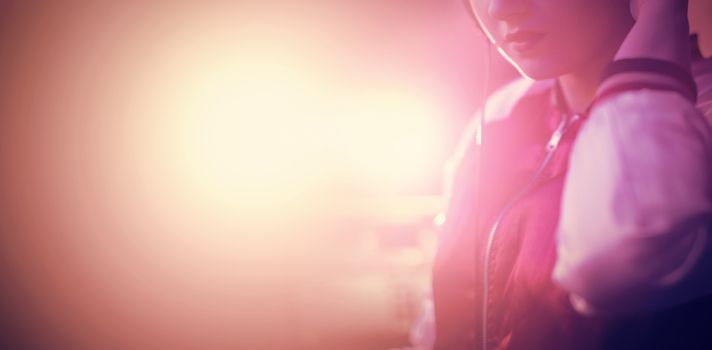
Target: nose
(506, 10)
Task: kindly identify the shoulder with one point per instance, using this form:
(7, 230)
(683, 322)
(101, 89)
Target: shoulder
(498, 107)
(504, 100)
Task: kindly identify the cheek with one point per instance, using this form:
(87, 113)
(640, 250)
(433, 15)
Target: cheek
(554, 57)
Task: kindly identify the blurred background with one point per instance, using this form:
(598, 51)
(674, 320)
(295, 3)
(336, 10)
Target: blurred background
(216, 175)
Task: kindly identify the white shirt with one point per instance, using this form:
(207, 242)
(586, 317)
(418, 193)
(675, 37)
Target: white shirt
(637, 202)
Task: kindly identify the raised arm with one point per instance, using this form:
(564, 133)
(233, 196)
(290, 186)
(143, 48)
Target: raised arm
(637, 206)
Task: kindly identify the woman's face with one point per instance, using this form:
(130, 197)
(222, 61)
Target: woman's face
(549, 38)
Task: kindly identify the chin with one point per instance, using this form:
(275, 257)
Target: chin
(538, 70)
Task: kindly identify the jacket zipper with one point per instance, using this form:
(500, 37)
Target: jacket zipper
(551, 147)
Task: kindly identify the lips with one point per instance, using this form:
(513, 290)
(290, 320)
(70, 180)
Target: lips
(523, 40)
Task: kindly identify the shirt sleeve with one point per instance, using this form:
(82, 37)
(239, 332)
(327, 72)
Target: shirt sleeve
(636, 206)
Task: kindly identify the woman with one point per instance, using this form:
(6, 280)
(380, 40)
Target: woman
(580, 218)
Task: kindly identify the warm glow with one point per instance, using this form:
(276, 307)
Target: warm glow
(254, 175)
(256, 126)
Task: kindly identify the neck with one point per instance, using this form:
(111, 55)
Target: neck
(579, 87)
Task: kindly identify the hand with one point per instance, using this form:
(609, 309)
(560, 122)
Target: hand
(645, 7)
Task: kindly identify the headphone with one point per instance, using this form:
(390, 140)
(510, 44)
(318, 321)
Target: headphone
(488, 67)
(480, 124)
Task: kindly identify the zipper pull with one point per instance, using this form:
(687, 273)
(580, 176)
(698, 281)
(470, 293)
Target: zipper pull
(556, 136)
(560, 130)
